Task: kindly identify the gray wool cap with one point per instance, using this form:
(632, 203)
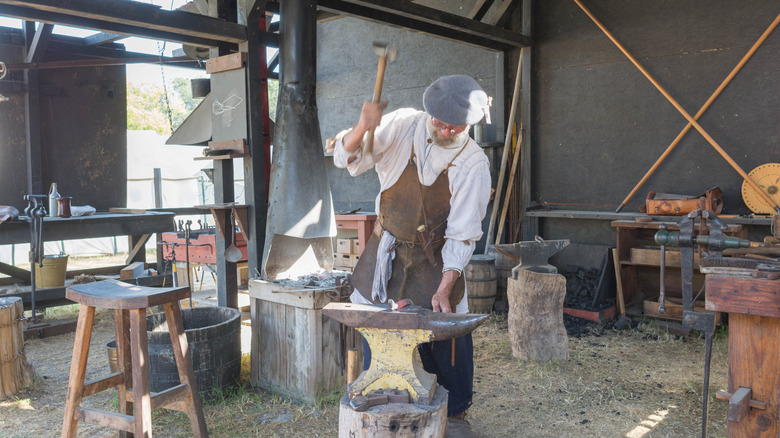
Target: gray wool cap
(456, 100)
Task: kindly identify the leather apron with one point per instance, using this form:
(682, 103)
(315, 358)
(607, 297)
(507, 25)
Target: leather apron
(403, 208)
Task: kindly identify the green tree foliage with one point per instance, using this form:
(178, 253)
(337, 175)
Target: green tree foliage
(147, 108)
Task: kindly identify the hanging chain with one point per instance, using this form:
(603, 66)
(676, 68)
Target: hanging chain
(166, 99)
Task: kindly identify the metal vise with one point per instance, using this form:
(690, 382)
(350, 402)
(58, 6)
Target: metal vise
(393, 336)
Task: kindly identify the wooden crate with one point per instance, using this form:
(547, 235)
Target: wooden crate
(295, 349)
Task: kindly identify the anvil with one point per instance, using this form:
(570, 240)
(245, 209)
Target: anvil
(393, 336)
(532, 255)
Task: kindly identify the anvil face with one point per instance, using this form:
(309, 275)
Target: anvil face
(441, 325)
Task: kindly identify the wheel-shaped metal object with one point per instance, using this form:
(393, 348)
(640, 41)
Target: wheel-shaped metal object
(767, 176)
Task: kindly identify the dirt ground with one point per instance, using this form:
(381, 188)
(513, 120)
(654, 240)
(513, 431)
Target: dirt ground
(637, 382)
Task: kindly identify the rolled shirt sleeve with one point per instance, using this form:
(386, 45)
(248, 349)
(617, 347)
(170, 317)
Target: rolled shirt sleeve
(470, 188)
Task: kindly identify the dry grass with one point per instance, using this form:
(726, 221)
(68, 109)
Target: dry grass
(639, 382)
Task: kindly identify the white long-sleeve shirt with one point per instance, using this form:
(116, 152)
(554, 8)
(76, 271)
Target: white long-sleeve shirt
(469, 177)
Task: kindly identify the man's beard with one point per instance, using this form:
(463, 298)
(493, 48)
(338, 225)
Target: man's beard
(442, 140)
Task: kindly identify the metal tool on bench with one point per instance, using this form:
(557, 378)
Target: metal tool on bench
(187, 229)
(716, 241)
(35, 212)
(393, 336)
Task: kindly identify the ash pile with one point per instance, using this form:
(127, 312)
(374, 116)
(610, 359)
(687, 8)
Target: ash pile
(321, 279)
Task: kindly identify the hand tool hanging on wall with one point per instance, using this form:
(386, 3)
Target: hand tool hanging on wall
(679, 108)
(715, 241)
(387, 53)
(35, 212)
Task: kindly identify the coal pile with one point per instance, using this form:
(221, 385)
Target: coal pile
(582, 291)
(578, 327)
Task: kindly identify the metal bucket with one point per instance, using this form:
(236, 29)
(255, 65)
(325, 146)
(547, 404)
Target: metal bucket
(112, 357)
(52, 273)
(214, 338)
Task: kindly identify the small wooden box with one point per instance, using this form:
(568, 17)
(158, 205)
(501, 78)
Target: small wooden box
(344, 261)
(344, 246)
(355, 246)
(296, 350)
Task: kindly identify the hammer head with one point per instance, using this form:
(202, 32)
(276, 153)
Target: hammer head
(387, 50)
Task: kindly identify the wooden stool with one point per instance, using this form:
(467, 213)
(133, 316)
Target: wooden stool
(135, 405)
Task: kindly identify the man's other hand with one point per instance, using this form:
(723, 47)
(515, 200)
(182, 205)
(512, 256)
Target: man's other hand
(441, 302)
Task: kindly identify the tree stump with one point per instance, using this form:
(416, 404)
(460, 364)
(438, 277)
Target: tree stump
(536, 329)
(395, 420)
(15, 372)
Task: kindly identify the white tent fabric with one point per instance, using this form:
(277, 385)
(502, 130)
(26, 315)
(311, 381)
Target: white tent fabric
(183, 185)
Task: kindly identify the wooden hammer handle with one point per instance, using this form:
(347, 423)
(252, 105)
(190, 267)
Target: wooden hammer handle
(380, 79)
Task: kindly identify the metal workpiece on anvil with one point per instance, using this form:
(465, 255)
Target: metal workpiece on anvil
(393, 336)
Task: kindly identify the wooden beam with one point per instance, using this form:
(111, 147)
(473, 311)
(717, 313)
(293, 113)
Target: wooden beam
(102, 38)
(429, 21)
(32, 119)
(129, 18)
(36, 50)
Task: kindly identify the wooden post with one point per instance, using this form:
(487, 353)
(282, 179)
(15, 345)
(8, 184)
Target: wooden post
(395, 419)
(15, 372)
(536, 329)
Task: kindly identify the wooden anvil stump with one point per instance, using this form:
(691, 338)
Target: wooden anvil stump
(536, 292)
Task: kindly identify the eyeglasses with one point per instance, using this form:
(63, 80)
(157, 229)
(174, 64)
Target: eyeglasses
(455, 129)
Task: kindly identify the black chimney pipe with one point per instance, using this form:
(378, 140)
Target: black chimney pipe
(300, 211)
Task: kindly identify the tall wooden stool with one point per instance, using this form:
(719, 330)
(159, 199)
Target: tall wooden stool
(136, 403)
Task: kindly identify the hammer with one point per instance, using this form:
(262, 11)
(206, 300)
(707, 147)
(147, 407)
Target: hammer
(386, 54)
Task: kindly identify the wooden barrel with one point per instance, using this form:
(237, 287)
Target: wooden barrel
(504, 267)
(480, 275)
(15, 372)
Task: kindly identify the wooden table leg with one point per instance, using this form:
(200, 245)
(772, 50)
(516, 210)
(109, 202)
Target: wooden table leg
(78, 369)
(142, 403)
(184, 365)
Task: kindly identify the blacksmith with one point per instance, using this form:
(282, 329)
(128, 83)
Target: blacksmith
(435, 187)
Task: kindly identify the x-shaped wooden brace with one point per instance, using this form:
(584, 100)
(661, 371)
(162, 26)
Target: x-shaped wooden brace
(691, 120)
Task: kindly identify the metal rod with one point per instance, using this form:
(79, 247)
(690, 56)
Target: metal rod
(704, 108)
(681, 110)
(661, 296)
(96, 62)
(705, 404)
(157, 187)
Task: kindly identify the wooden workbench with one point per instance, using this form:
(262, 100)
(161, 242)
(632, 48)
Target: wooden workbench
(753, 305)
(139, 227)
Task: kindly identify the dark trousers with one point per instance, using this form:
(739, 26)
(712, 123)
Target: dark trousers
(436, 359)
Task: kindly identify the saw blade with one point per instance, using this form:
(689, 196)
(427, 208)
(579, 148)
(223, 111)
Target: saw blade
(767, 176)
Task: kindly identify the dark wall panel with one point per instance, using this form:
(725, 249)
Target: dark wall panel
(85, 134)
(13, 145)
(600, 124)
(83, 114)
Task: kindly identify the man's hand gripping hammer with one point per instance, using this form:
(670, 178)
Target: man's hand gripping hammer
(386, 53)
